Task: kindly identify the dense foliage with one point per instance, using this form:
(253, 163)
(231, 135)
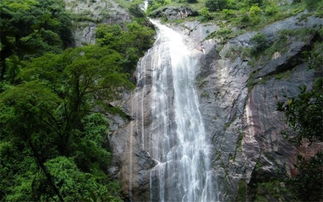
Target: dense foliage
(48, 120)
(308, 184)
(250, 14)
(53, 132)
(30, 28)
(131, 41)
(305, 113)
(53, 97)
(214, 5)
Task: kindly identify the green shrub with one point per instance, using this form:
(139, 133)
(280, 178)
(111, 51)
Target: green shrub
(131, 42)
(271, 10)
(244, 20)
(242, 191)
(260, 43)
(153, 5)
(254, 2)
(305, 113)
(315, 57)
(223, 34)
(228, 14)
(255, 10)
(205, 14)
(308, 184)
(136, 11)
(312, 4)
(216, 5)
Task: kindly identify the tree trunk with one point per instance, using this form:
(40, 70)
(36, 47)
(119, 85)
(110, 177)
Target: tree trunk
(2, 64)
(40, 163)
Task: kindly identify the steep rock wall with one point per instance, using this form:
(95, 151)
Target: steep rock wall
(87, 14)
(238, 103)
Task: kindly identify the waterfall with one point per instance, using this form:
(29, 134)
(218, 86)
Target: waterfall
(176, 137)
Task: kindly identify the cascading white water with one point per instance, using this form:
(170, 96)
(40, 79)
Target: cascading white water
(178, 139)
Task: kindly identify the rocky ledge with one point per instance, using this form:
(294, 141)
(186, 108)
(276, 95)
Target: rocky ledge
(173, 12)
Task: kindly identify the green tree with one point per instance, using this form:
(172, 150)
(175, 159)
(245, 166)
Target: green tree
(52, 128)
(81, 77)
(131, 42)
(50, 115)
(30, 28)
(26, 117)
(305, 113)
(75, 185)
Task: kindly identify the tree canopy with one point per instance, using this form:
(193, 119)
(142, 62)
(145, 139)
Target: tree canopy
(53, 101)
(30, 28)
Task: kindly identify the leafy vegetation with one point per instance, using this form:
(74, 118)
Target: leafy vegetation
(130, 42)
(30, 28)
(53, 97)
(216, 5)
(260, 43)
(305, 114)
(49, 117)
(307, 185)
(242, 16)
(53, 132)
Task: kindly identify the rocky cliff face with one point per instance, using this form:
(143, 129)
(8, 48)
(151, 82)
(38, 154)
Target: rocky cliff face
(173, 12)
(88, 14)
(238, 97)
(238, 103)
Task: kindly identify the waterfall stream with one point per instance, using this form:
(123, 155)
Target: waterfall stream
(177, 136)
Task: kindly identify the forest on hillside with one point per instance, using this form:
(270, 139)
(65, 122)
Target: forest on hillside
(55, 97)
